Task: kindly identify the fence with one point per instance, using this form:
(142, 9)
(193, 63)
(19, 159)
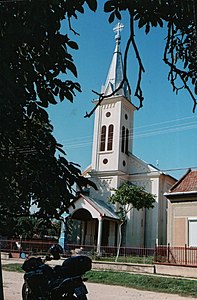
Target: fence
(41, 247)
(29, 247)
(109, 251)
(160, 254)
(176, 255)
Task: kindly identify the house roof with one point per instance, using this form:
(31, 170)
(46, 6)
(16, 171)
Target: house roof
(187, 184)
(97, 208)
(104, 208)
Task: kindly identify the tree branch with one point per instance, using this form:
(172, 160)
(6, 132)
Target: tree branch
(138, 91)
(70, 27)
(174, 71)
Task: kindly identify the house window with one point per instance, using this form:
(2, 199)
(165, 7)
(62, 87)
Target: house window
(103, 137)
(127, 142)
(192, 227)
(123, 139)
(110, 137)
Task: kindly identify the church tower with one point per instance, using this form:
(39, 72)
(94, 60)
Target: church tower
(113, 163)
(113, 125)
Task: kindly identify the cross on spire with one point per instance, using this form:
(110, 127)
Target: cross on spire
(117, 29)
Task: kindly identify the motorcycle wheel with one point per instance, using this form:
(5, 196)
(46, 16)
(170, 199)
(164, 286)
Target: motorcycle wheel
(26, 293)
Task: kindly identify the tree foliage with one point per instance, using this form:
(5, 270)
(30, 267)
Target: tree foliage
(179, 17)
(180, 52)
(33, 55)
(130, 196)
(36, 67)
(29, 227)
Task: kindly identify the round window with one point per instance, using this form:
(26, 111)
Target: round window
(126, 116)
(105, 161)
(124, 163)
(108, 114)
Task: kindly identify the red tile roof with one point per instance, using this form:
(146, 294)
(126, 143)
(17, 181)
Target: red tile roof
(187, 183)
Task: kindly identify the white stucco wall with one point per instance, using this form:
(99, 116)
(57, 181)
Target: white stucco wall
(120, 113)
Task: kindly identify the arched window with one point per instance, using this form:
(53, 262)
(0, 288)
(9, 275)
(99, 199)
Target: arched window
(110, 137)
(123, 139)
(103, 137)
(127, 142)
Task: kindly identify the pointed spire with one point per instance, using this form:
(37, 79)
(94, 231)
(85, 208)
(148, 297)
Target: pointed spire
(115, 73)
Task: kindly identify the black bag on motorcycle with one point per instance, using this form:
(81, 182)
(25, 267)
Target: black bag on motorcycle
(76, 265)
(37, 280)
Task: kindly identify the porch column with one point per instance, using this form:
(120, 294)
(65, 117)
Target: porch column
(99, 237)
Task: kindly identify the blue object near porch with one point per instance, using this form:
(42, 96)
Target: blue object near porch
(63, 239)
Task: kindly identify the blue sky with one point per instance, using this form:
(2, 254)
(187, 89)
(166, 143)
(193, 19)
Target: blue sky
(164, 129)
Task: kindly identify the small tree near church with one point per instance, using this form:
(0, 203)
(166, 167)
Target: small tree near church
(130, 196)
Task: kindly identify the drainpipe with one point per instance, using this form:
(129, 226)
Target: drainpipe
(100, 225)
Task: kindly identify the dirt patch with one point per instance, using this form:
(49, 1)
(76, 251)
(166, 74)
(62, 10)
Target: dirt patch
(13, 282)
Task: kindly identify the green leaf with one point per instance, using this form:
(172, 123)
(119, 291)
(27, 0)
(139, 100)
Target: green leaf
(73, 45)
(154, 21)
(147, 28)
(160, 22)
(51, 99)
(111, 17)
(61, 94)
(43, 103)
(141, 22)
(118, 15)
(43, 114)
(80, 9)
(59, 148)
(109, 6)
(137, 16)
(92, 4)
(56, 91)
(77, 87)
(69, 95)
(71, 67)
(31, 108)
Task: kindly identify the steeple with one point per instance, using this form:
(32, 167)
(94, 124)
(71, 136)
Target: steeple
(115, 73)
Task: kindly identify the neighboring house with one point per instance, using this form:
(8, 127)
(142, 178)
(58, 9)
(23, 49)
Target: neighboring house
(182, 211)
(96, 221)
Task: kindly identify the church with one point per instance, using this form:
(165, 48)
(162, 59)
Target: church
(95, 221)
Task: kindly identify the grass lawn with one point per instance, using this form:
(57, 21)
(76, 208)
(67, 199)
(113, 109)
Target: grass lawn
(12, 268)
(129, 259)
(143, 282)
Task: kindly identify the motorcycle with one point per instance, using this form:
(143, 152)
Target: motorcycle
(43, 282)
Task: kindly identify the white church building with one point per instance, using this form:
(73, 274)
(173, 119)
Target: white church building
(113, 162)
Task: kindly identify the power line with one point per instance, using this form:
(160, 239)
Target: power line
(87, 140)
(164, 170)
(168, 121)
(165, 130)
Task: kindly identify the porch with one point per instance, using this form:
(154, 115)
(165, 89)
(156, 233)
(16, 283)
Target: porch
(94, 222)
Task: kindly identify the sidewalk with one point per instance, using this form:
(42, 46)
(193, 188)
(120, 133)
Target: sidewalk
(171, 271)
